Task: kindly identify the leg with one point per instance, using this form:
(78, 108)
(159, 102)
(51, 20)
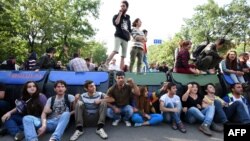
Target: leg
(137, 118)
(132, 59)
(175, 116)
(79, 111)
(13, 124)
(209, 114)
(31, 123)
(139, 61)
(220, 115)
(241, 79)
(111, 114)
(115, 51)
(155, 119)
(236, 109)
(234, 78)
(127, 111)
(205, 63)
(102, 112)
(62, 124)
(124, 45)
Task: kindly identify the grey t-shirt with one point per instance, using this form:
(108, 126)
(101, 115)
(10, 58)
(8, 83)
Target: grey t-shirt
(59, 105)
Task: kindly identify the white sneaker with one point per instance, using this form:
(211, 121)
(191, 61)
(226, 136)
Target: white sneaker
(76, 135)
(102, 133)
(116, 122)
(128, 124)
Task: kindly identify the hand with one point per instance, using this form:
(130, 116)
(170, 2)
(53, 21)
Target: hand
(175, 110)
(6, 116)
(184, 109)
(198, 106)
(117, 110)
(135, 109)
(130, 82)
(98, 101)
(190, 86)
(41, 130)
(147, 116)
(77, 97)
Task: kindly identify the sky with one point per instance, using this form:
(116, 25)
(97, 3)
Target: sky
(162, 18)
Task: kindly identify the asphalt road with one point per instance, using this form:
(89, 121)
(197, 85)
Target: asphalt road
(162, 132)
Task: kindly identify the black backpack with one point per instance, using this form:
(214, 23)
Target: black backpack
(66, 99)
(199, 49)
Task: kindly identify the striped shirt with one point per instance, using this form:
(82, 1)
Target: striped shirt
(89, 101)
(135, 43)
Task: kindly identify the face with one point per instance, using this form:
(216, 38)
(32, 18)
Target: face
(120, 80)
(31, 88)
(231, 56)
(173, 90)
(139, 23)
(60, 89)
(238, 89)
(210, 89)
(246, 57)
(91, 88)
(123, 7)
(194, 89)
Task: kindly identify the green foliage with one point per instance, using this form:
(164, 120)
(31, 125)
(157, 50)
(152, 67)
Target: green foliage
(164, 52)
(212, 21)
(27, 25)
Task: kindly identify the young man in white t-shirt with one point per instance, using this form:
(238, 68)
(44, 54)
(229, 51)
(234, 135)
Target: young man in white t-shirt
(170, 106)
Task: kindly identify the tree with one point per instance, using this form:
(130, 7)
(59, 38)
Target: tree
(38, 24)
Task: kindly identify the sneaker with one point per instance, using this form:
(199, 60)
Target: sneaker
(181, 127)
(216, 127)
(76, 135)
(205, 129)
(174, 126)
(115, 122)
(102, 133)
(128, 124)
(138, 124)
(19, 136)
(3, 131)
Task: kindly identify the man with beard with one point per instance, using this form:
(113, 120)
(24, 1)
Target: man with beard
(238, 107)
(122, 23)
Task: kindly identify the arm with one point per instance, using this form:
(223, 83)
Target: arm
(225, 69)
(42, 129)
(185, 96)
(2, 94)
(164, 109)
(8, 115)
(117, 18)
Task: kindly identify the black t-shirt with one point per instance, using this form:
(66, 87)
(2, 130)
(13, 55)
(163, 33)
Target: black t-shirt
(193, 102)
(123, 29)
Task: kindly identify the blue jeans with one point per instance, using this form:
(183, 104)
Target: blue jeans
(126, 111)
(4, 107)
(219, 115)
(58, 125)
(237, 79)
(171, 116)
(145, 61)
(14, 124)
(155, 118)
(236, 112)
(205, 115)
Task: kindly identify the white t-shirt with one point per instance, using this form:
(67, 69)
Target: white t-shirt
(170, 100)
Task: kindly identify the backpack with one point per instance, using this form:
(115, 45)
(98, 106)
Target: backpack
(66, 99)
(199, 49)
